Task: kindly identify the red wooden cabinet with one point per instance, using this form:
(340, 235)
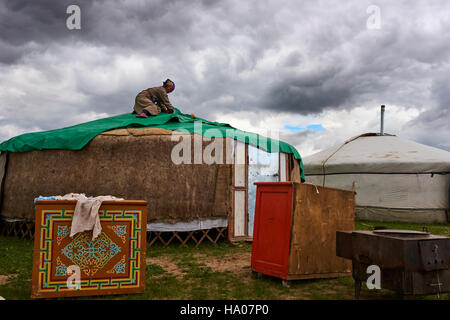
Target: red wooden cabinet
(295, 226)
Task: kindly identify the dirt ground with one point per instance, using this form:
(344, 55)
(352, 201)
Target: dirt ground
(235, 263)
(167, 264)
(4, 278)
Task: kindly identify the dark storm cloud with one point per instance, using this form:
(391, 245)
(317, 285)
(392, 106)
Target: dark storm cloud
(22, 22)
(171, 31)
(353, 66)
(113, 23)
(151, 24)
(432, 126)
(308, 94)
(299, 57)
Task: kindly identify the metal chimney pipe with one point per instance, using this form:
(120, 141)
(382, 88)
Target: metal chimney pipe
(382, 121)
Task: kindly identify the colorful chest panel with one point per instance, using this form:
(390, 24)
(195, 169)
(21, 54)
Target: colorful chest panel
(113, 263)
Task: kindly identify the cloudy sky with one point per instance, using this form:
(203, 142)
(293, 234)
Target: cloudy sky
(314, 71)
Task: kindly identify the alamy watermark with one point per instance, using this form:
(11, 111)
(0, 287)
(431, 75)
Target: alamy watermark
(74, 280)
(374, 20)
(218, 150)
(73, 22)
(374, 280)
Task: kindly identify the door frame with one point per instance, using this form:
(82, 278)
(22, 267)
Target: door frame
(240, 150)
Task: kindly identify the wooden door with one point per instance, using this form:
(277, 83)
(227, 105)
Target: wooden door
(270, 251)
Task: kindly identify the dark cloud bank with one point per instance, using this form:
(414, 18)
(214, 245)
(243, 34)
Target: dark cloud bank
(299, 58)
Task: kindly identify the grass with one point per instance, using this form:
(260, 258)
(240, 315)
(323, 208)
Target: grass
(16, 260)
(208, 272)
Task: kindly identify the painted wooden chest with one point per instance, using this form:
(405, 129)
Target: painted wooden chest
(114, 263)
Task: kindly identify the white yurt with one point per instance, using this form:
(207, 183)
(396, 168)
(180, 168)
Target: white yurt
(395, 179)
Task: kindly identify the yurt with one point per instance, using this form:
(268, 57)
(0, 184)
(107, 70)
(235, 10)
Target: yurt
(139, 159)
(395, 179)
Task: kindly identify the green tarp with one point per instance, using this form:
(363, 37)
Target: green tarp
(76, 137)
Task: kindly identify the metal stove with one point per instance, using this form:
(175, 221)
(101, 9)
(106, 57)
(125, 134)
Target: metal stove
(412, 263)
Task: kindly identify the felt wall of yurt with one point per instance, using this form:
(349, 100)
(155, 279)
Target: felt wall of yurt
(126, 163)
(3, 159)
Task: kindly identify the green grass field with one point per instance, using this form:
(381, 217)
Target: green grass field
(207, 272)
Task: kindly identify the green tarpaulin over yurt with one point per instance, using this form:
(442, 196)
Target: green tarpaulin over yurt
(76, 137)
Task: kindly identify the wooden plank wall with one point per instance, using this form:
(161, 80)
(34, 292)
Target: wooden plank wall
(318, 213)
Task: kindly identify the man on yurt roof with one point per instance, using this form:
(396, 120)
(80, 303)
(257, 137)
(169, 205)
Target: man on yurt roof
(153, 101)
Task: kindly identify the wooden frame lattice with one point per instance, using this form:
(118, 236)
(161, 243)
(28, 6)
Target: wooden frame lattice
(20, 229)
(197, 237)
(25, 230)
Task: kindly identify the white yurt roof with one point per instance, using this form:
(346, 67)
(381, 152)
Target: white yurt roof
(372, 153)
